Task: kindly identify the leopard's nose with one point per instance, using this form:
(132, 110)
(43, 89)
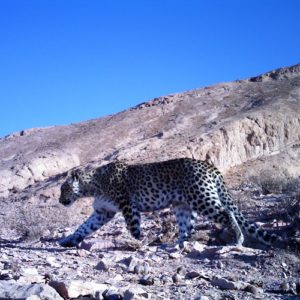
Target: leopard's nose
(64, 201)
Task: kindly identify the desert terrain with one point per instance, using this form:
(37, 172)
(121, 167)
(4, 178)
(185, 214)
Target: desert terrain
(250, 129)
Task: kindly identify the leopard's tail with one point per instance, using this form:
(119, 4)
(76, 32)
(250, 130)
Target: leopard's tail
(256, 231)
(251, 229)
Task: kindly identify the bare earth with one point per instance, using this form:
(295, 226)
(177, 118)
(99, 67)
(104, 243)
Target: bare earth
(250, 129)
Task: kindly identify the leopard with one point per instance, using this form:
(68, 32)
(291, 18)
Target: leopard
(188, 186)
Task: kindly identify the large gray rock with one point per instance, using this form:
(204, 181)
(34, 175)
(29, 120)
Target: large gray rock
(76, 288)
(13, 290)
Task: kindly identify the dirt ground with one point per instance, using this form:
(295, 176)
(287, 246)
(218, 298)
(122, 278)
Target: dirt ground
(155, 268)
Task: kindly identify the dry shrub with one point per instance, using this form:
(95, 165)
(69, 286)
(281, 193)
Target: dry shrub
(31, 221)
(270, 181)
(290, 206)
(288, 209)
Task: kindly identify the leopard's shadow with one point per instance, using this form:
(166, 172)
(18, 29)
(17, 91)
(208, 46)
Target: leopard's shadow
(12, 244)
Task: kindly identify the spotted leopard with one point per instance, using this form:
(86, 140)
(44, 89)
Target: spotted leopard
(187, 185)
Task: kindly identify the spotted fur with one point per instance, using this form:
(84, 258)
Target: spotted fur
(187, 185)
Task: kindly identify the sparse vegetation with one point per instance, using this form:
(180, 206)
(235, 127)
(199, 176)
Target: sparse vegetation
(270, 181)
(32, 221)
(288, 208)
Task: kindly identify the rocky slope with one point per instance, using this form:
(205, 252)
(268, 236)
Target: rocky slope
(247, 128)
(230, 123)
(111, 265)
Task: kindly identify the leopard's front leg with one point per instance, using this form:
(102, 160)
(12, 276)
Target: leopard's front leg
(93, 223)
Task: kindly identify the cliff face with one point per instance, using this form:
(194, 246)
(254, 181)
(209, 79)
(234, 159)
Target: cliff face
(229, 123)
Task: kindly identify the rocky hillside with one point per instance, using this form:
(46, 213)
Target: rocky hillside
(250, 129)
(230, 123)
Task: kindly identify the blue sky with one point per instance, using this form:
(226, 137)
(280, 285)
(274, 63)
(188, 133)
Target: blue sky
(65, 61)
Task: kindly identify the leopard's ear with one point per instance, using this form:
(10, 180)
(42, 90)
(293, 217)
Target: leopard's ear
(73, 174)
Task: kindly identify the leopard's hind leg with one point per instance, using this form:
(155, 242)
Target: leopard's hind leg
(133, 219)
(210, 206)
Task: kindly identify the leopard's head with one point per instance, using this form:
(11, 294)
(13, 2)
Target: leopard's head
(72, 188)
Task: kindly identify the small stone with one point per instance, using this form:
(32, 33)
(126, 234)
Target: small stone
(60, 287)
(52, 262)
(102, 265)
(155, 258)
(4, 275)
(7, 265)
(285, 286)
(30, 275)
(131, 263)
(146, 280)
(85, 246)
(152, 248)
(142, 268)
(47, 234)
(177, 278)
(129, 295)
(171, 247)
(181, 271)
(103, 245)
(146, 268)
(166, 279)
(194, 248)
(29, 271)
(175, 255)
(118, 277)
(201, 298)
(114, 280)
(284, 265)
(76, 288)
(156, 281)
(139, 269)
(82, 253)
(112, 294)
(198, 246)
(192, 274)
(136, 293)
(252, 289)
(224, 284)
